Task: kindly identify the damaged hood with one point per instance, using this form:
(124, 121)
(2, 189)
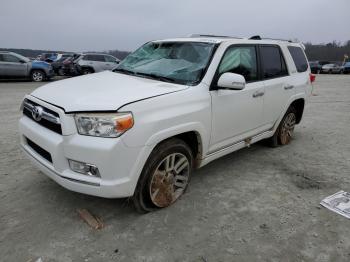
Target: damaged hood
(105, 91)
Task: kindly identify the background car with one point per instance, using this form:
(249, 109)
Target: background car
(316, 66)
(48, 57)
(93, 62)
(332, 68)
(68, 65)
(346, 68)
(14, 66)
(58, 64)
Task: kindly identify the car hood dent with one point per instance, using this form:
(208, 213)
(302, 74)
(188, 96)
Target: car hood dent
(105, 91)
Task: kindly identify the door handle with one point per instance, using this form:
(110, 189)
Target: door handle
(288, 87)
(258, 93)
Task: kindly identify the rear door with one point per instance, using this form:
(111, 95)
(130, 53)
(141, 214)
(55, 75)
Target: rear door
(301, 74)
(277, 81)
(12, 66)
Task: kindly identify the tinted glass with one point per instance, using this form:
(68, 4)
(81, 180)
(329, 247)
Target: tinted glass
(10, 58)
(273, 64)
(298, 58)
(98, 58)
(240, 60)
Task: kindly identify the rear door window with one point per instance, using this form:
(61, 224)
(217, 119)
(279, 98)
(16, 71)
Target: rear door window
(273, 63)
(299, 58)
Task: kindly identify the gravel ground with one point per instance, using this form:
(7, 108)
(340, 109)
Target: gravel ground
(257, 204)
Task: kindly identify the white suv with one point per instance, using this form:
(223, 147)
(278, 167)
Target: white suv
(170, 107)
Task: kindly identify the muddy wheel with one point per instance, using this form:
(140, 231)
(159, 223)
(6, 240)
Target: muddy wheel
(284, 132)
(165, 176)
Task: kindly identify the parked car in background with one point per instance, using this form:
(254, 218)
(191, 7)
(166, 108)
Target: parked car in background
(13, 66)
(316, 66)
(48, 57)
(332, 69)
(68, 65)
(346, 68)
(92, 63)
(58, 64)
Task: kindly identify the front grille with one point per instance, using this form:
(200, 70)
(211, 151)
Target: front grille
(50, 119)
(41, 151)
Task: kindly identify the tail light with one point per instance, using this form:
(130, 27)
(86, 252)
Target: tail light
(312, 78)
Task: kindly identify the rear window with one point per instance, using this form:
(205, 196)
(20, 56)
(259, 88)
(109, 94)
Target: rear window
(298, 58)
(273, 64)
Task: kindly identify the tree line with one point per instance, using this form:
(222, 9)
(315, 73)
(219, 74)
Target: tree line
(334, 51)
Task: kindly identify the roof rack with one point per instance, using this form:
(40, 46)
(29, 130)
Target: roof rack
(257, 37)
(214, 36)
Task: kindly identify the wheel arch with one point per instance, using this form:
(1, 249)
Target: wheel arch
(192, 138)
(87, 67)
(299, 105)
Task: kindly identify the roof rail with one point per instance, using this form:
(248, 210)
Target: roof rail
(217, 36)
(257, 37)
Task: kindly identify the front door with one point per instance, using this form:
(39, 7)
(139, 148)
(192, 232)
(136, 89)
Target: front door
(12, 66)
(237, 114)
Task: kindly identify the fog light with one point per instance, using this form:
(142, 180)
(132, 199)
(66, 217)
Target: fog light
(84, 168)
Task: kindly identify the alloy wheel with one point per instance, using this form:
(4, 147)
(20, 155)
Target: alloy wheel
(287, 128)
(169, 180)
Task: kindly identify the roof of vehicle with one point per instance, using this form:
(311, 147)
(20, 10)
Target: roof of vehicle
(220, 39)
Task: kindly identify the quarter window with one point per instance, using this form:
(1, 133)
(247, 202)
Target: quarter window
(298, 58)
(109, 59)
(273, 64)
(240, 60)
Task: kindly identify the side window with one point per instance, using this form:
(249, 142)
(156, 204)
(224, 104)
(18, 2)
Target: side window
(240, 60)
(273, 64)
(86, 58)
(10, 58)
(298, 58)
(109, 59)
(98, 58)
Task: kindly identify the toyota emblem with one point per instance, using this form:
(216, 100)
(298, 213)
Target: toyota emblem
(37, 113)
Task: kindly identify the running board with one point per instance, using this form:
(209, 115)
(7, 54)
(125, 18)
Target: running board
(234, 147)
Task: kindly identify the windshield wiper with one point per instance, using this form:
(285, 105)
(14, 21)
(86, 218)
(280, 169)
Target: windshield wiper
(157, 77)
(125, 71)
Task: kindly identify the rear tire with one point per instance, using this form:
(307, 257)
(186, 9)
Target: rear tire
(87, 71)
(284, 132)
(37, 76)
(165, 176)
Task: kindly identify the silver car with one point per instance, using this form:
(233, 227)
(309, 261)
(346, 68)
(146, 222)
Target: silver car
(14, 66)
(332, 68)
(92, 63)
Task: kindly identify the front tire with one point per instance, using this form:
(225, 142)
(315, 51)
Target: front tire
(284, 132)
(165, 176)
(37, 76)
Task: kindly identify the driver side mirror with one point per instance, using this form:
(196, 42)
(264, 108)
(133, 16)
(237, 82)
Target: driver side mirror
(231, 81)
(22, 61)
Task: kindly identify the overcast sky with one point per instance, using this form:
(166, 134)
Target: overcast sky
(82, 25)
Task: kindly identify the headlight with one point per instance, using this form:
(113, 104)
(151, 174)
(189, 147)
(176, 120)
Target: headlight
(104, 125)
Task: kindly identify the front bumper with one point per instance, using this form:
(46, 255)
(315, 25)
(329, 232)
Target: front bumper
(118, 164)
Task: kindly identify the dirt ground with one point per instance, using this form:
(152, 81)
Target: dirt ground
(257, 204)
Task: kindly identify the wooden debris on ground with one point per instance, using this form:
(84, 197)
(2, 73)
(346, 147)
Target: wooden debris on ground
(90, 219)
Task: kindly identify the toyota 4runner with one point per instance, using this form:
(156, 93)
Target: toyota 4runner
(170, 107)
